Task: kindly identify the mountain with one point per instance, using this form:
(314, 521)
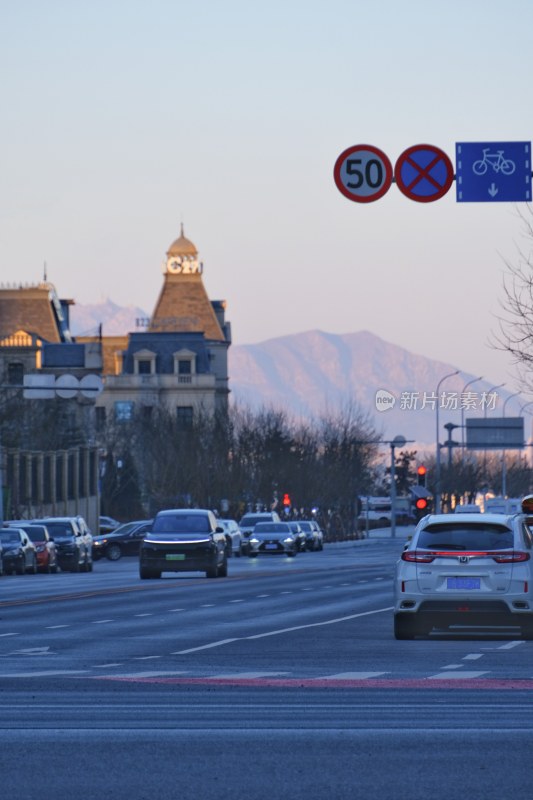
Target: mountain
(115, 320)
(314, 373)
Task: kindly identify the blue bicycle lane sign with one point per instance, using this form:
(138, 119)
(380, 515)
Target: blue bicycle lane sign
(493, 172)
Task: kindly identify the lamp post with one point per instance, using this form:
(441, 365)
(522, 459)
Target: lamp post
(465, 387)
(504, 464)
(398, 441)
(491, 390)
(437, 455)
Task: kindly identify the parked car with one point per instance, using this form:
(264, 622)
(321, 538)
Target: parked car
(273, 538)
(250, 520)
(314, 538)
(107, 524)
(45, 546)
(18, 551)
(465, 571)
(125, 540)
(233, 537)
(73, 542)
(184, 540)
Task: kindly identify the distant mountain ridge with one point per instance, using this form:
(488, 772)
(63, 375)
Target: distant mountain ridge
(313, 373)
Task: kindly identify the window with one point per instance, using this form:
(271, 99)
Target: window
(124, 410)
(185, 416)
(15, 373)
(184, 366)
(144, 367)
(100, 412)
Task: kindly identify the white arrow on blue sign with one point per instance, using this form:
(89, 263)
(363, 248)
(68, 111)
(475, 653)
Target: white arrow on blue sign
(488, 172)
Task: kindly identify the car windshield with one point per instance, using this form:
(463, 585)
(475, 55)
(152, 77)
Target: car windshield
(60, 528)
(9, 537)
(306, 526)
(250, 520)
(36, 534)
(181, 523)
(271, 527)
(465, 536)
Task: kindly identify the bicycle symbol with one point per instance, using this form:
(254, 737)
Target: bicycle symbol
(494, 160)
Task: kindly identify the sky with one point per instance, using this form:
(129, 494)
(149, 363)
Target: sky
(121, 120)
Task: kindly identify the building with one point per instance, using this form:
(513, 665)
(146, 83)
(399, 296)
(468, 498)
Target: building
(180, 357)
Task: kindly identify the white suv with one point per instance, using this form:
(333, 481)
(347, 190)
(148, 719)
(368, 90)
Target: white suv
(462, 571)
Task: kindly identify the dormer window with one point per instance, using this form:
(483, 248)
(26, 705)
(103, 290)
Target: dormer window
(144, 362)
(184, 365)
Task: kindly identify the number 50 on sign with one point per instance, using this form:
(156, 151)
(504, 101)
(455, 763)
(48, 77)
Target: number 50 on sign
(363, 173)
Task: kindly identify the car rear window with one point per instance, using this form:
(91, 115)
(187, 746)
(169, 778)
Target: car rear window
(181, 523)
(465, 536)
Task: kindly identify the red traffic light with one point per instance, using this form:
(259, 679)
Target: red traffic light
(286, 499)
(421, 504)
(421, 470)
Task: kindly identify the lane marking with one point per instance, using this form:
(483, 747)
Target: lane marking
(463, 675)
(351, 676)
(9, 634)
(320, 624)
(203, 647)
(142, 615)
(472, 656)
(510, 645)
(145, 658)
(452, 666)
(236, 601)
(101, 621)
(250, 675)
(52, 627)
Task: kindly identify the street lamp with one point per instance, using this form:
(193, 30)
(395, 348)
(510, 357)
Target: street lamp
(465, 387)
(491, 390)
(504, 454)
(437, 455)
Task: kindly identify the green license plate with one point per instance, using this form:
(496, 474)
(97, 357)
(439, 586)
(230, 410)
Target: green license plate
(175, 557)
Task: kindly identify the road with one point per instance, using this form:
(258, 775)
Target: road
(283, 680)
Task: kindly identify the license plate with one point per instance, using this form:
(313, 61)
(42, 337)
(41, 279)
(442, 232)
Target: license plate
(464, 583)
(175, 557)
(271, 547)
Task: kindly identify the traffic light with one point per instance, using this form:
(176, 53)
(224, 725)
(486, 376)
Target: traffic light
(286, 500)
(421, 504)
(421, 475)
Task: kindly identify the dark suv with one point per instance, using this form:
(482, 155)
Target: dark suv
(184, 540)
(73, 542)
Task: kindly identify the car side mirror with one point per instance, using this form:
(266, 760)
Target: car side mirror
(219, 529)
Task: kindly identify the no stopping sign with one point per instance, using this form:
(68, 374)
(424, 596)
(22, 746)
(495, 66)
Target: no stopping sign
(363, 173)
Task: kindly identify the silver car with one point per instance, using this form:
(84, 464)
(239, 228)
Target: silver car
(465, 571)
(271, 538)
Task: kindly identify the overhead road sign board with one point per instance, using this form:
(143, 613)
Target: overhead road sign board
(493, 172)
(495, 433)
(424, 173)
(363, 173)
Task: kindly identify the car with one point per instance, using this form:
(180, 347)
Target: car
(44, 545)
(314, 538)
(73, 542)
(107, 524)
(250, 520)
(184, 540)
(233, 537)
(273, 538)
(299, 535)
(123, 541)
(18, 551)
(465, 571)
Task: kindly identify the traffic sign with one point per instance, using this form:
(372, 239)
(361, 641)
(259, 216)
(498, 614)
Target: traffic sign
(423, 173)
(363, 173)
(493, 172)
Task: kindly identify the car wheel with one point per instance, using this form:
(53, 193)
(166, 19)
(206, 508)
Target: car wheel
(404, 628)
(20, 569)
(212, 572)
(76, 565)
(113, 552)
(90, 566)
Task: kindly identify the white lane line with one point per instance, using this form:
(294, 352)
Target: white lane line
(208, 605)
(286, 592)
(101, 621)
(351, 676)
(262, 595)
(9, 634)
(250, 675)
(510, 645)
(171, 610)
(53, 627)
(203, 647)
(148, 674)
(452, 666)
(319, 624)
(107, 666)
(466, 675)
(45, 674)
(236, 601)
(142, 615)
(144, 658)
(472, 656)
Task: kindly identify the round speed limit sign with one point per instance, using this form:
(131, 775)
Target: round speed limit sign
(363, 173)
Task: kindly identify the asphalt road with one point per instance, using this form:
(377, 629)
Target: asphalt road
(283, 680)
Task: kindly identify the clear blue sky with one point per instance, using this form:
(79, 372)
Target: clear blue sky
(121, 119)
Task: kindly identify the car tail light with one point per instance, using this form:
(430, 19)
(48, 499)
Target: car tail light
(418, 556)
(511, 557)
